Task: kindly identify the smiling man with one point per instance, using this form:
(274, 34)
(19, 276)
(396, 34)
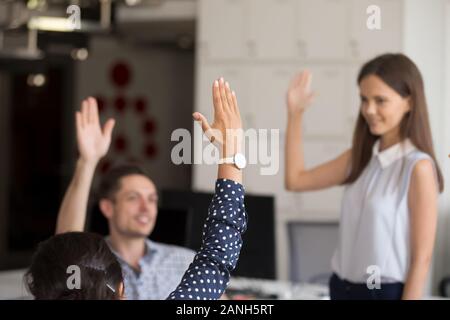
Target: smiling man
(128, 199)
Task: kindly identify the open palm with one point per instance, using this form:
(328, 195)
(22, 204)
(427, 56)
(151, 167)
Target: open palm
(93, 141)
(299, 95)
(226, 128)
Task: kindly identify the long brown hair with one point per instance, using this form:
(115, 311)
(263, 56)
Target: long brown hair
(402, 75)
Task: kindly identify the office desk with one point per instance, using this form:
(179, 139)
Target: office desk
(285, 290)
(12, 285)
(275, 289)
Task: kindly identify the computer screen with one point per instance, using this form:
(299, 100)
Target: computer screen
(257, 258)
(173, 226)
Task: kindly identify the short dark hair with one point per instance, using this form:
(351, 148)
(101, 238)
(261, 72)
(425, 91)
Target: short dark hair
(110, 182)
(100, 272)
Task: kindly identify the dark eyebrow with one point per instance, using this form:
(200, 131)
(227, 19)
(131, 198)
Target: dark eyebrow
(129, 192)
(375, 97)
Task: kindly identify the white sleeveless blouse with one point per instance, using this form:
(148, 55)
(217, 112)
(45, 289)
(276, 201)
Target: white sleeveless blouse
(374, 224)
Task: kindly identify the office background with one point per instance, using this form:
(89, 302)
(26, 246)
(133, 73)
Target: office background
(151, 63)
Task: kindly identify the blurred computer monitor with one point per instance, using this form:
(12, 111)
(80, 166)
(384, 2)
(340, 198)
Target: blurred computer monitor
(257, 259)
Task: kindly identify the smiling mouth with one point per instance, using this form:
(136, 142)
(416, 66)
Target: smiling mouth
(373, 123)
(143, 219)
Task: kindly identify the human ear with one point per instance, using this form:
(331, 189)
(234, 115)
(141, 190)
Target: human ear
(408, 104)
(106, 207)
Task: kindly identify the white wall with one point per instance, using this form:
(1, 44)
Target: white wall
(443, 267)
(426, 36)
(267, 43)
(269, 40)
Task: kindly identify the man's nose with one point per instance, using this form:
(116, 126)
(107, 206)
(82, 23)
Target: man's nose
(144, 205)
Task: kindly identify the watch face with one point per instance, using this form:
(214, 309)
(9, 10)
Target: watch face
(240, 161)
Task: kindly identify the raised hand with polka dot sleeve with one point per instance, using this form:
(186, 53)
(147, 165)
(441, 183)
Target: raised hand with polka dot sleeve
(208, 275)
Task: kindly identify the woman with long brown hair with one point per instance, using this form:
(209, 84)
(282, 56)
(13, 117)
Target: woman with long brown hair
(391, 177)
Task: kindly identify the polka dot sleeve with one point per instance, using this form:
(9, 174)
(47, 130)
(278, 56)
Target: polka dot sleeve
(208, 275)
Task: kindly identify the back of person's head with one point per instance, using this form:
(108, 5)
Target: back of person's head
(74, 266)
(110, 182)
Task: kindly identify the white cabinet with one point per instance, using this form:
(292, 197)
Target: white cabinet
(265, 175)
(366, 43)
(323, 204)
(296, 29)
(272, 29)
(323, 29)
(237, 75)
(222, 26)
(327, 115)
(268, 95)
(353, 100)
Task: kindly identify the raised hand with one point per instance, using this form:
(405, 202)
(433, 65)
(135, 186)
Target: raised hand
(299, 95)
(226, 128)
(93, 141)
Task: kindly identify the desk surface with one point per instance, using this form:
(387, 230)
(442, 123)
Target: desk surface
(285, 290)
(275, 289)
(12, 285)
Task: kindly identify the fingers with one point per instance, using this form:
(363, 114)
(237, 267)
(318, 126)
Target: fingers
(302, 80)
(223, 94)
(213, 135)
(203, 122)
(205, 125)
(308, 81)
(235, 104)
(93, 111)
(89, 113)
(108, 128)
(90, 110)
(84, 113)
(229, 96)
(217, 101)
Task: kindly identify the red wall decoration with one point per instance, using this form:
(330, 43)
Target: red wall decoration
(121, 76)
